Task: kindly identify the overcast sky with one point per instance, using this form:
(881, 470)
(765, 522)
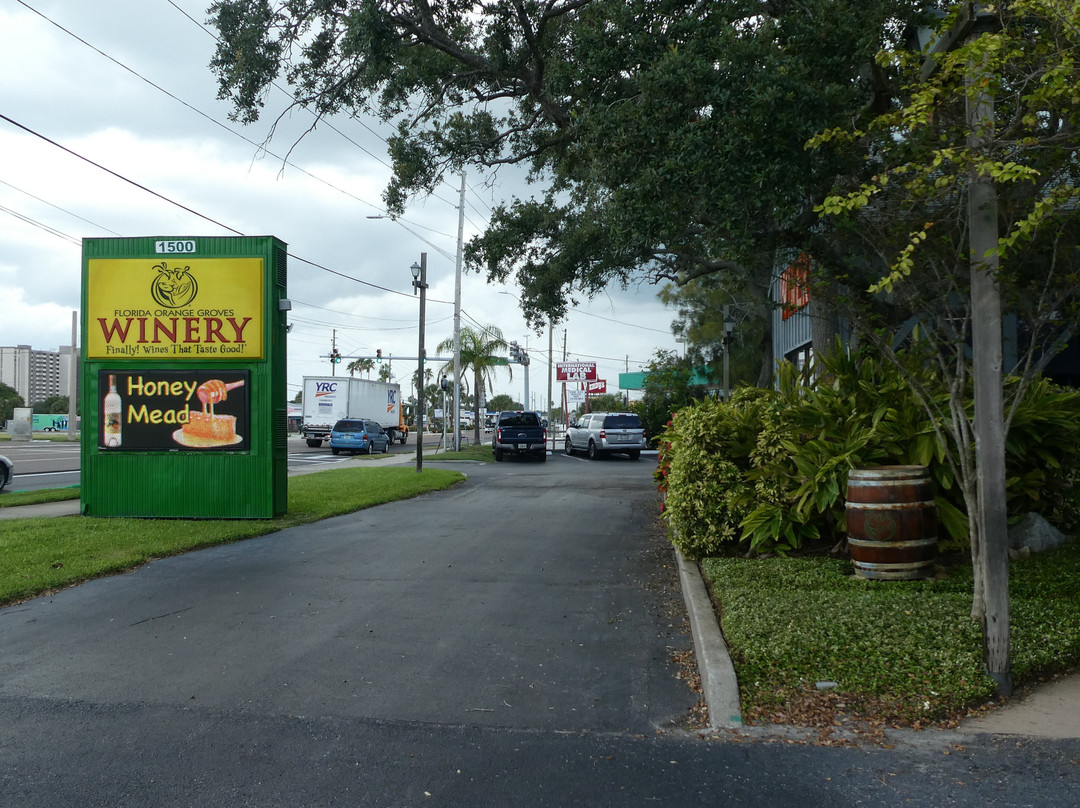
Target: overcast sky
(125, 84)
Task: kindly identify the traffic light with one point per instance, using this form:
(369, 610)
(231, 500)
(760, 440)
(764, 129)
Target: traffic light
(515, 351)
(335, 356)
(378, 354)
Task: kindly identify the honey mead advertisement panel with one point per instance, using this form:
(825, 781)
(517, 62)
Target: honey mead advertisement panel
(176, 308)
(173, 410)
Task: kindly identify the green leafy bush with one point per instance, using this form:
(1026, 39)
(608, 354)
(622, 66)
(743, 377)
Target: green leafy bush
(767, 472)
(708, 446)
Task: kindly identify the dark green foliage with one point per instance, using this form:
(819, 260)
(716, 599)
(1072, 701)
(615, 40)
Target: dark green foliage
(502, 402)
(607, 402)
(667, 390)
(52, 405)
(9, 400)
(666, 136)
(768, 473)
(705, 460)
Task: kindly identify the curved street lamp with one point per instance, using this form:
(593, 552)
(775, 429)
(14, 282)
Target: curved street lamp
(419, 274)
(729, 326)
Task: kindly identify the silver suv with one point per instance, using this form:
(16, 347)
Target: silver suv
(599, 433)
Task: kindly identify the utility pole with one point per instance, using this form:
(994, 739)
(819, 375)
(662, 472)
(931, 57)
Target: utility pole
(565, 403)
(550, 401)
(457, 315)
(525, 364)
(990, 528)
(992, 540)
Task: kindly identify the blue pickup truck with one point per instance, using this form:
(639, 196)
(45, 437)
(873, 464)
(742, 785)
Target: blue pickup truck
(519, 433)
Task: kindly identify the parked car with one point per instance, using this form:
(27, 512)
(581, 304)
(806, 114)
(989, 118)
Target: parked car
(597, 433)
(519, 433)
(7, 468)
(358, 435)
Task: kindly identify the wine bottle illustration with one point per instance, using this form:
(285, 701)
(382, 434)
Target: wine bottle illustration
(113, 414)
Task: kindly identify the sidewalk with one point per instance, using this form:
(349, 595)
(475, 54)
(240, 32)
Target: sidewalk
(1050, 710)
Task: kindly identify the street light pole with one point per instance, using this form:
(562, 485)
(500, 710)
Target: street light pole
(729, 326)
(419, 273)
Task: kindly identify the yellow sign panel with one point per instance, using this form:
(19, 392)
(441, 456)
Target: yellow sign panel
(175, 308)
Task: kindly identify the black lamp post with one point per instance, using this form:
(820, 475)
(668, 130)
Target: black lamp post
(419, 273)
(729, 326)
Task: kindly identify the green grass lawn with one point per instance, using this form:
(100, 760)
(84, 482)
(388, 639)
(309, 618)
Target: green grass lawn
(11, 499)
(473, 452)
(906, 653)
(42, 554)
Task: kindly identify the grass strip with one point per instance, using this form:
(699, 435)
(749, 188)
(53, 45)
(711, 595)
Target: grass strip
(905, 653)
(472, 452)
(43, 554)
(11, 499)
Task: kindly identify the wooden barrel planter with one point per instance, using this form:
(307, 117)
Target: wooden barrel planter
(892, 522)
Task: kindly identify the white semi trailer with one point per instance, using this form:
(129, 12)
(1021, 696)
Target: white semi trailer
(328, 399)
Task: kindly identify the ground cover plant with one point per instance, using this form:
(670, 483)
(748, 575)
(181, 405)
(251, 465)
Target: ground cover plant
(43, 554)
(901, 653)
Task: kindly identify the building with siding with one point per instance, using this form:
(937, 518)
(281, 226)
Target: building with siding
(791, 319)
(35, 375)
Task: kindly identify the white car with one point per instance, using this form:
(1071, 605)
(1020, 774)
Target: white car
(7, 468)
(600, 433)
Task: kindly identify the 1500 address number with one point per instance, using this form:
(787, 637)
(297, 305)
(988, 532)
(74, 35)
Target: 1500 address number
(174, 247)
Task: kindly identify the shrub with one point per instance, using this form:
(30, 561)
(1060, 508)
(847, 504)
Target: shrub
(767, 472)
(704, 462)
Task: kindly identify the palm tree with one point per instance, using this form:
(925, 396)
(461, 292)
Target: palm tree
(362, 365)
(478, 352)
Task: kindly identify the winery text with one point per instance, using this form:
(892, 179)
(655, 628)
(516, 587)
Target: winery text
(155, 336)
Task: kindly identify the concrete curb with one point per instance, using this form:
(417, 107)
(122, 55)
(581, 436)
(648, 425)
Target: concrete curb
(719, 686)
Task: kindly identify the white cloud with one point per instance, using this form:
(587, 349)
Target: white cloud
(70, 93)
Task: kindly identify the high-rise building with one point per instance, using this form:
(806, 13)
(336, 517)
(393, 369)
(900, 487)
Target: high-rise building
(35, 375)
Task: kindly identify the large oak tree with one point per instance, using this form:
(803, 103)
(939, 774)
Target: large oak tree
(665, 138)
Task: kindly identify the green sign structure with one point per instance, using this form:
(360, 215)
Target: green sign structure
(183, 401)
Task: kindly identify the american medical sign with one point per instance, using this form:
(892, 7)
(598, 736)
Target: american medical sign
(575, 371)
(175, 308)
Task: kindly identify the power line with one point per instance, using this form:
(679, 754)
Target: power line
(51, 142)
(619, 322)
(36, 223)
(318, 118)
(261, 147)
(194, 212)
(57, 207)
(200, 113)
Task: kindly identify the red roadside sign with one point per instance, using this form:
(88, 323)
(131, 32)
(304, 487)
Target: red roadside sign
(575, 371)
